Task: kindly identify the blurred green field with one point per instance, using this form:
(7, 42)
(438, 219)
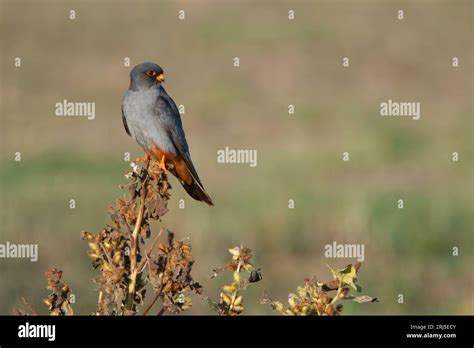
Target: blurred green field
(407, 251)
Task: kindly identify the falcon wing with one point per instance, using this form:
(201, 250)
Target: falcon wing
(175, 130)
(124, 120)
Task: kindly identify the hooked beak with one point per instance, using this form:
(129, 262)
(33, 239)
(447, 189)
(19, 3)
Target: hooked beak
(160, 77)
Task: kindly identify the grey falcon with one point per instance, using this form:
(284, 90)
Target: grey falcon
(152, 119)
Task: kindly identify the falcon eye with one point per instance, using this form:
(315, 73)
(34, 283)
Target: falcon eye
(151, 72)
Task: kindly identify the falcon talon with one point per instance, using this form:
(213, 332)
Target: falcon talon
(159, 168)
(162, 165)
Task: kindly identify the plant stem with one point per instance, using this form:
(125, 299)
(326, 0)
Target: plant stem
(162, 311)
(158, 294)
(236, 291)
(142, 265)
(99, 302)
(336, 297)
(134, 246)
(33, 312)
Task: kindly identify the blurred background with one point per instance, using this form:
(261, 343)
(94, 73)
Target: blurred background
(407, 251)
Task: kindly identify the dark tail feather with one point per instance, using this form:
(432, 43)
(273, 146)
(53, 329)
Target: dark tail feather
(197, 192)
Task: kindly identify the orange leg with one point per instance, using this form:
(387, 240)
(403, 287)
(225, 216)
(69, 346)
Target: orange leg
(162, 165)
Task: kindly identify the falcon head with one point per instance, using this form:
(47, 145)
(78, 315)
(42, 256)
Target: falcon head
(146, 75)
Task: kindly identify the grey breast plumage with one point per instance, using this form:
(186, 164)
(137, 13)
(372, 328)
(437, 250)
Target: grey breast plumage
(144, 121)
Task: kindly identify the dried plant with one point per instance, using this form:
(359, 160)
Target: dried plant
(314, 299)
(58, 301)
(116, 250)
(169, 272)
(165, 267)
(231, 301)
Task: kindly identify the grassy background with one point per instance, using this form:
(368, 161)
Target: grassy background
(299, 156)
